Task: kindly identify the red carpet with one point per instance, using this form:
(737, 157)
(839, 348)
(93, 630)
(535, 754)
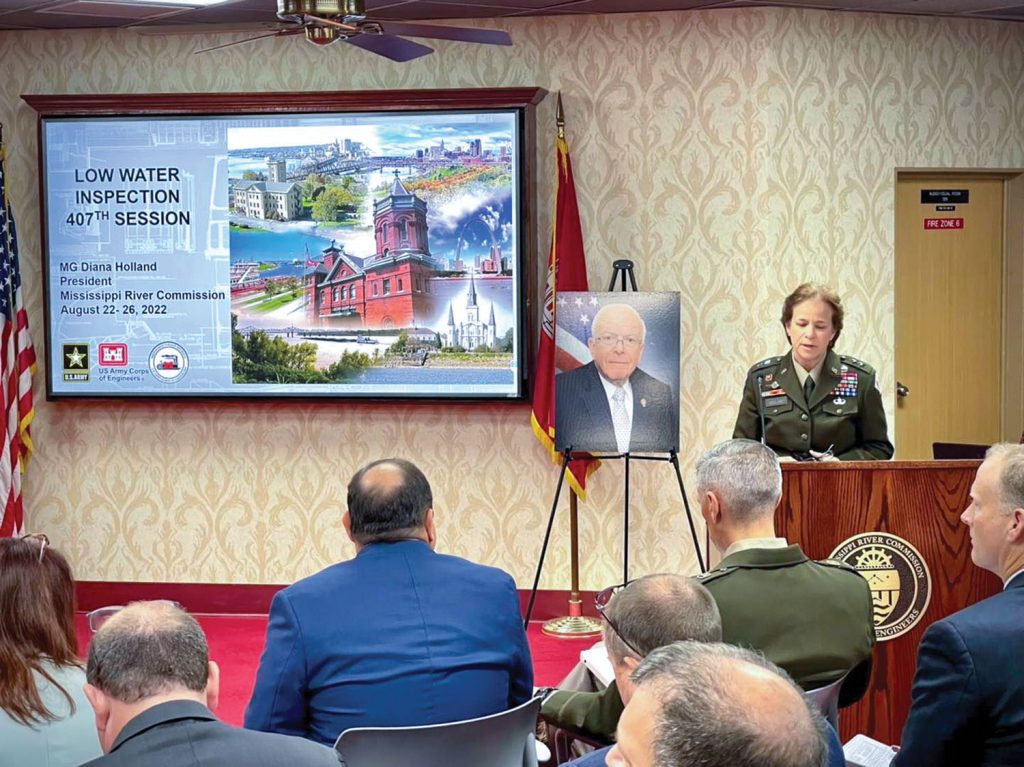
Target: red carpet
(236, 643)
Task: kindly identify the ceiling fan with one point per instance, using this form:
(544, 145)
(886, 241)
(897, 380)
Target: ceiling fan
(327, 21)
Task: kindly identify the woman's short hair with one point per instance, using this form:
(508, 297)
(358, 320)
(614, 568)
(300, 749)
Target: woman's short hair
(37, 625)
(806, 292)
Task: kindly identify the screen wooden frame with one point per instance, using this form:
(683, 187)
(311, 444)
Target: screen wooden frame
(524, 100)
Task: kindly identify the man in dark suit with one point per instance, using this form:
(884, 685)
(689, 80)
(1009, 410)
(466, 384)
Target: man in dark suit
(399, 635)
(968, 695)
(610, 405)
(152, 686)
(716, 705)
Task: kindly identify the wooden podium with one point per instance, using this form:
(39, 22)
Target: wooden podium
(825, 504)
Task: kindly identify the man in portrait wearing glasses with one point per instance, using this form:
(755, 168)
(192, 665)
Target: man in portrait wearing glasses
(153, 688)
(400, 635)
(647, 613)
(610, 405)
(814, 619)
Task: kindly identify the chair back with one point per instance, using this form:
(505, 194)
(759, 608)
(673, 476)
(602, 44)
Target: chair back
(505, 739)
(957, 451)
(826, 700)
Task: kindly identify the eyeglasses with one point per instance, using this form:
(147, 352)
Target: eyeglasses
(38, 538)
(612, 340)
(601, 602)
(101, 615)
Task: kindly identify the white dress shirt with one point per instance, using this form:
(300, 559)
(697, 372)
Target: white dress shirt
(1015, 575)
(622, 433)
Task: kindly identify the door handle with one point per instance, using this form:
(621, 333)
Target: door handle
(901, 390)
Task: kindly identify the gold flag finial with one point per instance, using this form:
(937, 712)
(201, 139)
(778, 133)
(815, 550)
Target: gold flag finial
(560, 117)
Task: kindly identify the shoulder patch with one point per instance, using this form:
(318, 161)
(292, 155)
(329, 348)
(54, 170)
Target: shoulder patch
(713, 575)
(858, 364)
(763, 364)
(835, 563)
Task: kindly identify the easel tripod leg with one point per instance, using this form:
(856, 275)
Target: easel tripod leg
(625, 531)
(547, 537)
(689, 514)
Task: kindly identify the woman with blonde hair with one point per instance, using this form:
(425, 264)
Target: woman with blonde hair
(45, 718)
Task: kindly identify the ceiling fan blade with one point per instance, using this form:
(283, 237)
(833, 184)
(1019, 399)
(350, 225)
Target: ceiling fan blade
(389, 46)
(250, 39)
(206, 29)
(462, 34)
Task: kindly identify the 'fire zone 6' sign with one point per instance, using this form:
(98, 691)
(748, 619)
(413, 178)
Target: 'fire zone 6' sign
(943, 223)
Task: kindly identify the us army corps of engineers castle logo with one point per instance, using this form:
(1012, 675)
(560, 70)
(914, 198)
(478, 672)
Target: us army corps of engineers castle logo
(898, 576)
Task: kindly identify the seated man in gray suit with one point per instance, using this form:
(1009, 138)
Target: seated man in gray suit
(152, 685)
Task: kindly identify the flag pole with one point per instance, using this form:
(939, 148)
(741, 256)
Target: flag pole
(575, 625)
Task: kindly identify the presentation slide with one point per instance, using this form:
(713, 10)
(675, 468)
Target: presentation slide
(343, 254)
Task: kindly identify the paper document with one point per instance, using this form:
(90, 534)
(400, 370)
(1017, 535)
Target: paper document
(598, 663)
(862, 751)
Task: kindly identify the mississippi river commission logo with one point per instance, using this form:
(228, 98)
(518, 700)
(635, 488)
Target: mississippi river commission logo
(168, 362)
(898, 576)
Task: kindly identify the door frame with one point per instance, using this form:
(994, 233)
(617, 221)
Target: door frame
(1011, 406)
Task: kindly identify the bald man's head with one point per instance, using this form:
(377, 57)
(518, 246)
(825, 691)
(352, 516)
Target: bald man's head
(718, 706)
(617, 341)
(148, 649)
(388, 500)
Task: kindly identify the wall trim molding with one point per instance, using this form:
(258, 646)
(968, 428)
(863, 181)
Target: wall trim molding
(254, 598)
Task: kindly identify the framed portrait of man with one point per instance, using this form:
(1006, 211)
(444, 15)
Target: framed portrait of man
(617, 372)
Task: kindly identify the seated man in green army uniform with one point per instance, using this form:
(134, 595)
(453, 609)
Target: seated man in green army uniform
(648, 613)
(813, 619)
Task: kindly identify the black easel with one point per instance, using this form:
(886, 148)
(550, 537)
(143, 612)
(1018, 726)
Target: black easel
(623, 269)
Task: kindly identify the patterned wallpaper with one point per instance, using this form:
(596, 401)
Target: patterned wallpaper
(731, 154)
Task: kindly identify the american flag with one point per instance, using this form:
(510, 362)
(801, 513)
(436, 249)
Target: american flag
(17, 364)
(575, 313)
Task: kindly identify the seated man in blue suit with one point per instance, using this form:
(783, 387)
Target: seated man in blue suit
(967, 706)
(399, 635)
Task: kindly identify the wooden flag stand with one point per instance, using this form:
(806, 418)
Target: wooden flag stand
(576, 625)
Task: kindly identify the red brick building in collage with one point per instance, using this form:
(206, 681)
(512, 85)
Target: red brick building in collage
(390, 289)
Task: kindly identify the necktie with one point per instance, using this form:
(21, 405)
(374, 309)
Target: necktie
(808, 389)
(620, 420)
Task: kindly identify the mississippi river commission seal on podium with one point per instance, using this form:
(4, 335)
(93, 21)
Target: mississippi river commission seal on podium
(898, 576)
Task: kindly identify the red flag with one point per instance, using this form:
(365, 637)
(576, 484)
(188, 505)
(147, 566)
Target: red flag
(567, 270)
(17, 364)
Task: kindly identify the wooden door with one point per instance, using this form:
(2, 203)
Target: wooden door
(949, 271)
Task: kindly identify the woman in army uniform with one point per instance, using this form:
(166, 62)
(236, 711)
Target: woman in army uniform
(816, 404)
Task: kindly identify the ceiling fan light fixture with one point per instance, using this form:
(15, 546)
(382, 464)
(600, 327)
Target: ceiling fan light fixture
(322, 35)
(290, 9)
